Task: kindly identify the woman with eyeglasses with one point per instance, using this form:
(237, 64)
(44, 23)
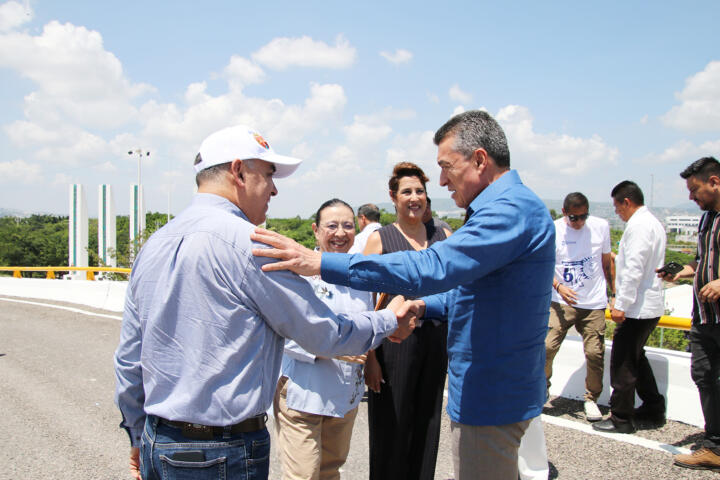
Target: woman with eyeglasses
(406, 380)
(317, 398)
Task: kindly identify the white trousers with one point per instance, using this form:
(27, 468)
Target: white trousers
(532, 455)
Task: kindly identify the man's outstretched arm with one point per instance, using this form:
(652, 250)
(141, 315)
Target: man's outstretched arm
(290, 254)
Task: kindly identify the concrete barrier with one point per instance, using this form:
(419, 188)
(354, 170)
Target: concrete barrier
(98, 294)
(671, 369)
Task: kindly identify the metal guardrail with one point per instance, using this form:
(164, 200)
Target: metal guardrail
(678, 323)
(17, 271)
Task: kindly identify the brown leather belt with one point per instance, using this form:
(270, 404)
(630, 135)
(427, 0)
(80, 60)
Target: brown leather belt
(207, 432)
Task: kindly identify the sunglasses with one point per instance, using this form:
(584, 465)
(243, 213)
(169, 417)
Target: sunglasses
(575, 218)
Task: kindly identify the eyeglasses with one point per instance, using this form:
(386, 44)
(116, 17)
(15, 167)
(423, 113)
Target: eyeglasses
(333, 227)
(575, 218)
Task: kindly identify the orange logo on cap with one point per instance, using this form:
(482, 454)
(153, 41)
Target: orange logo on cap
(261, 140)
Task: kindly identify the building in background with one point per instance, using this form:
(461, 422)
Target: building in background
(685, 226)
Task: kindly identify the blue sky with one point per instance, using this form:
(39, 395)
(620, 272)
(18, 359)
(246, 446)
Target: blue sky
(589, 95)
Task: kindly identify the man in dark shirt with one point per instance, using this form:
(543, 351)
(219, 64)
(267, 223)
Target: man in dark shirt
(703, 182)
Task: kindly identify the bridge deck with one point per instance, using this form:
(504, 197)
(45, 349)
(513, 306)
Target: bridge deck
(58, 417)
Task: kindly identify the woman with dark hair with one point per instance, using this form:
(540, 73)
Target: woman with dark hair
(407, 379)
(317, 398)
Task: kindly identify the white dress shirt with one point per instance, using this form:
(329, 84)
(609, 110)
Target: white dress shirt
(362, 237)
(638, 289)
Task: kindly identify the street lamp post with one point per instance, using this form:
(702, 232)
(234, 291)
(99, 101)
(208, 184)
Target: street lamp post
(140, 153)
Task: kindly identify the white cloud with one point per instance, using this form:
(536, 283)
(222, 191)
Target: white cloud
(458, 110)
(77, 79)
(13, 14)
(418, 148)
(458, 95)
(283, 52)
(182, 127)
(61, 179)
(241, 72)
(433, 98)
(644, 120)
(26, 134)
(302, 151)
(19, 171)
(558, 154)
(361, 132)
(77, 148)
(700, 107)
(196, 93)
(66, 145)
(684, 152)
(371, 129)
(398, 56)
(342, 165)
(107, 167)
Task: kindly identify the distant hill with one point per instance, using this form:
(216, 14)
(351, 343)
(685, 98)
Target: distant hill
(446, 207)
(4, 212)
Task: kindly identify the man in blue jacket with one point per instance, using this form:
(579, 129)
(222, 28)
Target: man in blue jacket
(492, 279)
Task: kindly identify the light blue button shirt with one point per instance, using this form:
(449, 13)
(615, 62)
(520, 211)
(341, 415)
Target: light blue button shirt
(326, 386)
(202, 332)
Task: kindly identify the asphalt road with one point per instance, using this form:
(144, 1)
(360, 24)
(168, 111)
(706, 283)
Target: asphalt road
(58, 420)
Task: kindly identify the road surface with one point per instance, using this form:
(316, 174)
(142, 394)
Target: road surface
(58, 420)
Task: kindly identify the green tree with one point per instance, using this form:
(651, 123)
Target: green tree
(454, 223)
(668, 338)
(387, 217)
(296, 228)
(37, 240)
(125, 251)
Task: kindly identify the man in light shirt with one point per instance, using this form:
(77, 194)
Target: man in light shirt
(637, 309)
(582, 267)
(203, 327)
(368, 218)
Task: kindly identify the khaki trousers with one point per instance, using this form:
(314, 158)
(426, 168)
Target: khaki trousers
(486, 452)
(590, 324)
(312, 447)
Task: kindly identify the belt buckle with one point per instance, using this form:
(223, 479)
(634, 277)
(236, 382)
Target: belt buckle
(196, 431)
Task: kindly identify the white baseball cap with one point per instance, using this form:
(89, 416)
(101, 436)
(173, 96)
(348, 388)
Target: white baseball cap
(241, 143)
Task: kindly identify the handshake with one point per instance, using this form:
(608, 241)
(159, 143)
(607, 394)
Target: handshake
(407, 313)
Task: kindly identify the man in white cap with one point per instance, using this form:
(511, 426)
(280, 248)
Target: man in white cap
(202, 332)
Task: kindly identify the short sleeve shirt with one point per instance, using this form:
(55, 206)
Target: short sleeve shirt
(578, 261)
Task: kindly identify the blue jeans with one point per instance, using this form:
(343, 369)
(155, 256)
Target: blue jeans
(243, 456)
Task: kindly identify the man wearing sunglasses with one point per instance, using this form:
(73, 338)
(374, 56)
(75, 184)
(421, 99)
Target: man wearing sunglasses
(579, 298)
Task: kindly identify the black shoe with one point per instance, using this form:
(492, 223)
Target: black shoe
(647, 414)
(613, 425)
(651, 413)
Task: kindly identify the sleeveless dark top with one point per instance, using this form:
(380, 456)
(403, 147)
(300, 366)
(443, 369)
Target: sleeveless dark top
(394, 241)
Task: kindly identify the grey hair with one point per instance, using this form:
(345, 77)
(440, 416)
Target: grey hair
(369, 211)
(476, 129)
(216, 172)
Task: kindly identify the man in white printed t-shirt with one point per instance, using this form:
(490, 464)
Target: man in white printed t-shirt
(579, 299)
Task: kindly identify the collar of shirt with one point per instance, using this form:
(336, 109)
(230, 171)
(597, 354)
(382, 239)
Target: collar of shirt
(492, 191)
(217, 201)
